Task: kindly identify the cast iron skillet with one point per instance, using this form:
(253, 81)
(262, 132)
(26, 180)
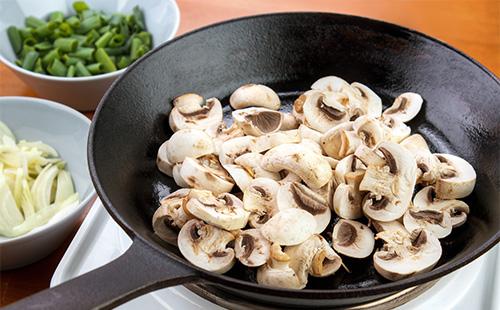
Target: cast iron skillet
(287, 52)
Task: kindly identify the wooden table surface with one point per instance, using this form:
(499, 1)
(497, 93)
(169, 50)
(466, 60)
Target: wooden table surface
(472, 26)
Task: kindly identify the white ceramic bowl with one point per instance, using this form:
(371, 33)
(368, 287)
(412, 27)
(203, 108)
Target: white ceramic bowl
(66, 130)
(82, 93)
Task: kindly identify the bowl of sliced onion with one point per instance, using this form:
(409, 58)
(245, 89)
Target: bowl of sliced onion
(44, 180)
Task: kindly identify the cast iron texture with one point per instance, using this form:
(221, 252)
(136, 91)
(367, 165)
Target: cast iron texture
(288, 52)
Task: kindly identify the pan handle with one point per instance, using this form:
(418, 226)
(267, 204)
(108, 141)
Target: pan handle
(141, 269)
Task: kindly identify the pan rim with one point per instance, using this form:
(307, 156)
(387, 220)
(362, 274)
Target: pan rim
(235, 283)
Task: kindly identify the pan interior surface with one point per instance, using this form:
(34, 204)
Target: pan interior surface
(288, 52)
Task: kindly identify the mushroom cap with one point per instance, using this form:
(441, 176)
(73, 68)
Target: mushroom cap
(405, 107)
(204, 245)
(257, 121)
(434, 221)
(309, 133)
(289, 227)
(334, 141)
(251, 163)
(162, 162)
(418, 253)
(352, 239)
(415, 143)
(372, 102)
(350, 163)
(206, 173)
(388, 226)
(457, 209)
(176, 174)
(312, 168)
(259, 198)
(189, 143)
(233, 148)
(390, 186)
(331, 83)
(170, 215)
(347, 202)
(254, 95)
(323, 110)
(251, 248)
(224, 211)
(189, 112)
(240, 175)
(457, 177)
(395, 129)
(369, 130)
(297, 195)
(289, 121)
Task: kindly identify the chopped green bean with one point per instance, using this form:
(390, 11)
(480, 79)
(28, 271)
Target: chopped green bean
(81, 70)
(134, 49)
(30, 60)
(92, 22)
(45, 30)
(26, 49)
(116, 20)
(71, 71)
(123, 62)
(86, 53)
(57, 17)
(15, 39)
(95, 68)
(39, 67)
(80, 38)
(29, 41)
(138, 17)
(26, 32)
(70, 60)
(66, 45)
(57, 68)
(117, 40)
(88, 13)
(80, 6)
(104, 29)
(50, 56)
(92, 36)
(65, 29)
(145, 38)
(73, 21)
(43, 46)
(103, 58)
(115, 51)
(104, 40)
(33, 22)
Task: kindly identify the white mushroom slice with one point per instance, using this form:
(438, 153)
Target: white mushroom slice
(257, 121)
(322, 111)
(289, 227)
(277, 272)
(395, 129)
(417, 253)
(254, 95)
(298, 105)
(289, 177)
(233, 148)
(434, 221)
(176, 174)
(188, 143)
(189, 112)
(251, 248)
(297, 195)
(427, 164)
(251, 163)
(206, 173)
(335, 142)
(391, 185)
(405, 107)
(457, 209)
(259, 198)
(270, 140)
(224, 211)
(368, 156)
(312, 145)
(171, 215)
(388, 226)
(289, 121)
(352, 239)
(308, 133)
(223, 133)
(347, 198)
(312, 168)
(415, 143)
(369, 130)
(457, 177)
(331, 83)
(371, 101)
(205, 246)
(162, 162)
(313, 256)
(350, 163)
(240, 175)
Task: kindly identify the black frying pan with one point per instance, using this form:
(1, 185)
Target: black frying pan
(287, 52)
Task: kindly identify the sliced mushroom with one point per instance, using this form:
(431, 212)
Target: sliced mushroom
(176, 174)
(347, 198)
(331, 83)
(205, 246)
(233, 148)
(289, 227)
(240, 175)
(206, 173)
(312, 168)
(405, 107)
(188, 143)
(340, 141)
(171, 215)
(427, 164)
(257, 121)
(251, 163)
(371, 101)
(369, 130)
(350, 163)
(162, 162)
(352, 239)
(434, 221)
(457, 177)
(289, 177)
(416, 253)
(298, 105)
(395, 129)
(297, 195)
(224, 211)
(323, 111)
(251, 248)
(254, 95)
(289, 121)
(308, 133)
(270, 140)
(368, 157)
(277, 272)
(313, 257)
(390, 186)
(457, 209)
(388, 226)
(259, 198)
(190, 111)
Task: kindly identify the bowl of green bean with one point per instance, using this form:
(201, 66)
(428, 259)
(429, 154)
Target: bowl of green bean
(71, 51)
